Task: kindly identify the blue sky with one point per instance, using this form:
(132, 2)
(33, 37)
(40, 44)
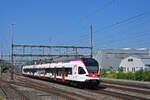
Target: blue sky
(66, 22)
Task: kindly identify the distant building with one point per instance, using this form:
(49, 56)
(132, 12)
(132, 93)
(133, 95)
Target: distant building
(112, 57)
(134, 63)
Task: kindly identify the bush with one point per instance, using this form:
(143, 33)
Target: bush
(121, 75)
(139, 75)
(103, 73)
(130, 76)
(146, 75)
(111, 75)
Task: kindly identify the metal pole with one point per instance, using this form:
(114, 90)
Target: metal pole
(1, 63)
(0, 68)
(0, 71)
(1, 50)
(12, 50)
(91, 41)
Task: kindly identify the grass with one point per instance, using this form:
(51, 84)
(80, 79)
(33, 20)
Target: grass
(140, 75)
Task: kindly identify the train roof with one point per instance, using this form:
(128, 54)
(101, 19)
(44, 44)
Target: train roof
(84, 59)
(66, 60)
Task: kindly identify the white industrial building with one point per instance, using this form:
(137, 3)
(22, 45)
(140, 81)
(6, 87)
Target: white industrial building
(134, 63)
(112, 57)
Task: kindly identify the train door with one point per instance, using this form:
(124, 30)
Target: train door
(44, 72)
(75, 72)
(55, 71)
(63, 74)
(81, 73)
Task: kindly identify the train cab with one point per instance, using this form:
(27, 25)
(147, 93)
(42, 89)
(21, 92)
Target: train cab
(92, 69)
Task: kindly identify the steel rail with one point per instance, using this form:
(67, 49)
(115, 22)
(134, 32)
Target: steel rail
(10, 86)
(126, 88)
(126, 84)
(53, 90)
(120, 95)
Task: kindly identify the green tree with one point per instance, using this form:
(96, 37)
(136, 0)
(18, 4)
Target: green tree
(120, 69)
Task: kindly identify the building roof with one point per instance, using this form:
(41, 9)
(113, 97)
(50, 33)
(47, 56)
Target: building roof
(141, 57)
(144, 59)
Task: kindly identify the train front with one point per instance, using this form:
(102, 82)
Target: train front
(93, 76)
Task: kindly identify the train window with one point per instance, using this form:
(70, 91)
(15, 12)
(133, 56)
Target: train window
(66, 74)
(92, 69)
(43, 71)
(69, 71)
(81, 70)
(35, 70)
(24, 70)
(59, 71)
(91, 65)
(52, 71)
(49, 70)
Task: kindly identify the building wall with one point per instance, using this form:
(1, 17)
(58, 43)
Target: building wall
(131, 64)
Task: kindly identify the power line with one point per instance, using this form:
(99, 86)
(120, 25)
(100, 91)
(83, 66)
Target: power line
(131, 39)
(116, 33)
(107, 4)
(85, 36)
(130, 19)
(110, 38)
(123, 21)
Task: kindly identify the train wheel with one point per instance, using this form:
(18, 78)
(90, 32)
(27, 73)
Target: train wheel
(81, 85)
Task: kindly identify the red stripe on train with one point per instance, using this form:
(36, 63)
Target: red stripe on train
(93, 74)
(44, 76)
(39, 75)
(55, 76)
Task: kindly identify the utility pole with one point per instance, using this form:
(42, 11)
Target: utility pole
(12, 50)
(91, 41)
(1, 48)
(1, 62)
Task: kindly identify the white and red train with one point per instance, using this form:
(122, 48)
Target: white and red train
(80, 72)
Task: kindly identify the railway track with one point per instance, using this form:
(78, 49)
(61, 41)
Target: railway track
(52, 90)
(120, 95)
(3, 94)
(127, 89)
(10, 92)
(104, 90)
(136, 84)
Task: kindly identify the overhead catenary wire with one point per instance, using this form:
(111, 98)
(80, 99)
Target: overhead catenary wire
(123, 21)
(127, 37)
(128, 20)
(107, 4)
(139, 16)
(131, 22)
(107, 39)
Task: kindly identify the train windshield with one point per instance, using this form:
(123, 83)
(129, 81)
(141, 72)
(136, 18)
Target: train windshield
(91, 65)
